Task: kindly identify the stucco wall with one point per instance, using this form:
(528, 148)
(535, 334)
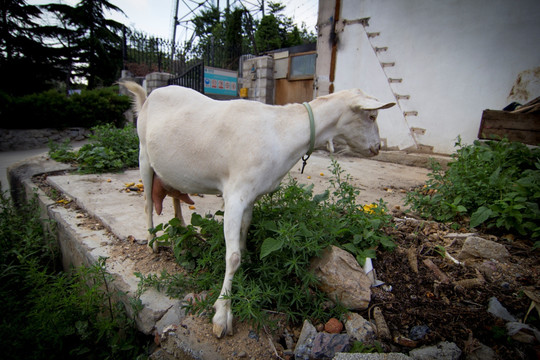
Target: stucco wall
(454, 59)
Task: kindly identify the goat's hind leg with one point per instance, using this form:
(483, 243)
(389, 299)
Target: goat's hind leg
(147, 176)
(178, 211)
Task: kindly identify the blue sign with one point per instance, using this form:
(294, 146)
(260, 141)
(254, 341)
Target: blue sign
(220, 81)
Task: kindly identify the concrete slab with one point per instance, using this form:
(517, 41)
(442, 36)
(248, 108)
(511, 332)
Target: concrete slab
(104, 196)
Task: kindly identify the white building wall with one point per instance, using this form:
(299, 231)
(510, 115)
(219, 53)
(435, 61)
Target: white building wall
(455, 58)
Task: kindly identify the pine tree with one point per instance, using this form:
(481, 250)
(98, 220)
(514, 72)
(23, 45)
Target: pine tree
(26, 63)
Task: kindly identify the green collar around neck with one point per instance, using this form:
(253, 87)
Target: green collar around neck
(311, 135)
(311, 129)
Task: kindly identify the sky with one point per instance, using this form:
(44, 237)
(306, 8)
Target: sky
(154, 17)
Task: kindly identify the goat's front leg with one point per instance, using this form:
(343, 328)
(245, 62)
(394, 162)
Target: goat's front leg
(232, 227)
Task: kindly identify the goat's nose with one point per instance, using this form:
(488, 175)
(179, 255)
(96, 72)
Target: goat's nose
(375, 149)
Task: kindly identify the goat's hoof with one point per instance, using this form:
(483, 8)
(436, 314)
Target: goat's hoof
(219, 331)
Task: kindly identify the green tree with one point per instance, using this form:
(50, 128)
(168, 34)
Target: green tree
(220, 40)
(27, 65)
(100, 43)
(277, 31)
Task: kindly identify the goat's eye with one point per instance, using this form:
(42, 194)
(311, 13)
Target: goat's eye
(373, 117)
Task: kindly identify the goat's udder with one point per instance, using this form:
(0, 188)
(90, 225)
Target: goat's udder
(159, 191)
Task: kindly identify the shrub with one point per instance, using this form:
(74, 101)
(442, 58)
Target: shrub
(289, 228)
(493, 184)
(110, 149)
(52, 109)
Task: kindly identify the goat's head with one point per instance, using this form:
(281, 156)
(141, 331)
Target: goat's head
(357, 126)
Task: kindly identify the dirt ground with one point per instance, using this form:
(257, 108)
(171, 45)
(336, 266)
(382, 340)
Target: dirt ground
(452, 309)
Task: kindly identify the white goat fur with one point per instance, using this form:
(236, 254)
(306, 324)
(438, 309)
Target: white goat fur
(241, 149)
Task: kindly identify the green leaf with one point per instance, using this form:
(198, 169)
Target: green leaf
(479, 216)
(387, 243)
(350, 248)
(321, 197)
(175, 222)
(270, 245)
(196, 219)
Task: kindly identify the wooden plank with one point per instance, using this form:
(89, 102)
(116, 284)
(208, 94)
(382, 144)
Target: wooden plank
(288, 92)
(522, 127)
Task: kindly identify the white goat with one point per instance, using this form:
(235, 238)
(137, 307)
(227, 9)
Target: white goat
(242, 149)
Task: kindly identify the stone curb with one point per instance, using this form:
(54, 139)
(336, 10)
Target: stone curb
(80, 246)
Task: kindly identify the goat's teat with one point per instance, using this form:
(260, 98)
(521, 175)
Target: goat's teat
(160, 190)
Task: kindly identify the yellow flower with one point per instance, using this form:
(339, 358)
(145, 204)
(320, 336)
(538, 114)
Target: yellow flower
(368, 208)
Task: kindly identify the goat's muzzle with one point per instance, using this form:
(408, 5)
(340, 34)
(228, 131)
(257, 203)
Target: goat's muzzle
(374, 150)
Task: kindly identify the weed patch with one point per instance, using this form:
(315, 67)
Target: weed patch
(290, 226)
(110, 150)
(490, 185)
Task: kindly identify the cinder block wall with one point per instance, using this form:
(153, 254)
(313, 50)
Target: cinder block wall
(258, 78)
(156, 80)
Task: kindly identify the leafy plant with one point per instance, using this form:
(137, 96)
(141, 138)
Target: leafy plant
(110, 149)
(62, 152)
(289, 228)
(495, 184)
(49, 313)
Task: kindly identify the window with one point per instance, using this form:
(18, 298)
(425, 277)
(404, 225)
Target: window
(302, 66)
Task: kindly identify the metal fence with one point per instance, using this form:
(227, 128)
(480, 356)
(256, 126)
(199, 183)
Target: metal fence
(192, 77)
(144, 54)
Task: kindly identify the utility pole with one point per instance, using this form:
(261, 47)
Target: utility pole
(175, 24)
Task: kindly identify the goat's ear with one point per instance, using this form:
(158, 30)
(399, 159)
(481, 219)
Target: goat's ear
(368, 103)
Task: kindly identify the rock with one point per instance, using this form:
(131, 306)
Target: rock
(418, 332)
(482, 353)
(325, 346)
(487, 268)
(333, 326)
(442, 351)
(305, 341)
(342, 278)
(359, 328)
(496, 309)
(522, 332)
(289, 342)
(477, 247)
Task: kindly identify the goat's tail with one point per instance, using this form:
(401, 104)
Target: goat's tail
(139, 94)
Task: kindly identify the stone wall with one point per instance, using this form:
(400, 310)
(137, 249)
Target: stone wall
(14, 139)
(258, 78)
